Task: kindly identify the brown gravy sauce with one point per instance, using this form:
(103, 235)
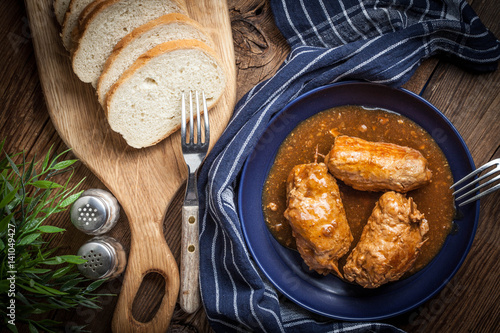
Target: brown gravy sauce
(435, 200)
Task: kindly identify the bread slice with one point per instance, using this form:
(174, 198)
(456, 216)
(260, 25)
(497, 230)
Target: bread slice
(109, 22)
(144, 38)
(71, 21)
(144, 106)
(60, 8)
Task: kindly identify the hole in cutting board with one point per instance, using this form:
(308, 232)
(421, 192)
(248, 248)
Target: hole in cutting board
(148, 299)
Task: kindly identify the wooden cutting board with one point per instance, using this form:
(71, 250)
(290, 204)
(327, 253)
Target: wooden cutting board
(144, 181)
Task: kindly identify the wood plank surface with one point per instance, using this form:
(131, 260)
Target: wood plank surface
(469, 303)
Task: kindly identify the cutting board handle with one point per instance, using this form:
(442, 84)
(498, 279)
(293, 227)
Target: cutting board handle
(157, 258)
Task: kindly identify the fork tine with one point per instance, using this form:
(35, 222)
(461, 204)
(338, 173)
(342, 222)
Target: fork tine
(191, 125)
(205, 117)
(491, 181)
(474, 198)
(486, 175)
(493, 173)
(470, 175)
(198, 120)
(475, 172)
(183, 118)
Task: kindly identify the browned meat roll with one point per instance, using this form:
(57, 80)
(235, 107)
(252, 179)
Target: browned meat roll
(317, 217)
(377, 166)
(390, 242)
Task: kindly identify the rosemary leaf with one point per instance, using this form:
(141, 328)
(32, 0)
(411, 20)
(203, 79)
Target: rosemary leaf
(28, 239)
(69, 200)
(29, 172)
(61, 271)
(94, 285)
(46, 159)
(4, 222)
(46, 184)
(37, 270)
(13, 165)
(49, 229)
(9, 197)
(64, 164)
(69, 284)
(32, 328)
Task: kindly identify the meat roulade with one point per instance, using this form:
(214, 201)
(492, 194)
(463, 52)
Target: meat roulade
(390, 242)
(317, 217)
(377, 166)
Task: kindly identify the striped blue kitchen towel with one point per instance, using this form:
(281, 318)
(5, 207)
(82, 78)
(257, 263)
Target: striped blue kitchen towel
(380, 41)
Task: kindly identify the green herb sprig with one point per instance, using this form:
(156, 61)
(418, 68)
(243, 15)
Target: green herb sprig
(32, 277)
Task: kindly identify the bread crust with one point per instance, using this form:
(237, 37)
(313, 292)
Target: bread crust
(92, 10)
(138, 32)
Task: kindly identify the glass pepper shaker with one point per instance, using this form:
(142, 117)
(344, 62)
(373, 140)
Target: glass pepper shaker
(106, 258)
(95, 212)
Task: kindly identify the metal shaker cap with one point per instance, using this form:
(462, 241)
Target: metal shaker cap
(105, 257)
(95, 212)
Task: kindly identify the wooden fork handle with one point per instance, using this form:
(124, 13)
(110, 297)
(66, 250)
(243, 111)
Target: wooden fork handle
(156, 257)
(190, 260)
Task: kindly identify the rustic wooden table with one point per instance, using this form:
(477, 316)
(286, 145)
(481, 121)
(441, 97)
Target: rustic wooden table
(469, 303)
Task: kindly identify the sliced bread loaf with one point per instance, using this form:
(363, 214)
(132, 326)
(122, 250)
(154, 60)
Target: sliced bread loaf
(144, 105)
(60, 8)
(71, 21)
(144, 38)
(107, 24)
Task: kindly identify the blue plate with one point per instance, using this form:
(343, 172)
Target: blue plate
(328, 295)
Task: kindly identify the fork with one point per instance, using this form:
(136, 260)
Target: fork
(496, 170)
(194, 151)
